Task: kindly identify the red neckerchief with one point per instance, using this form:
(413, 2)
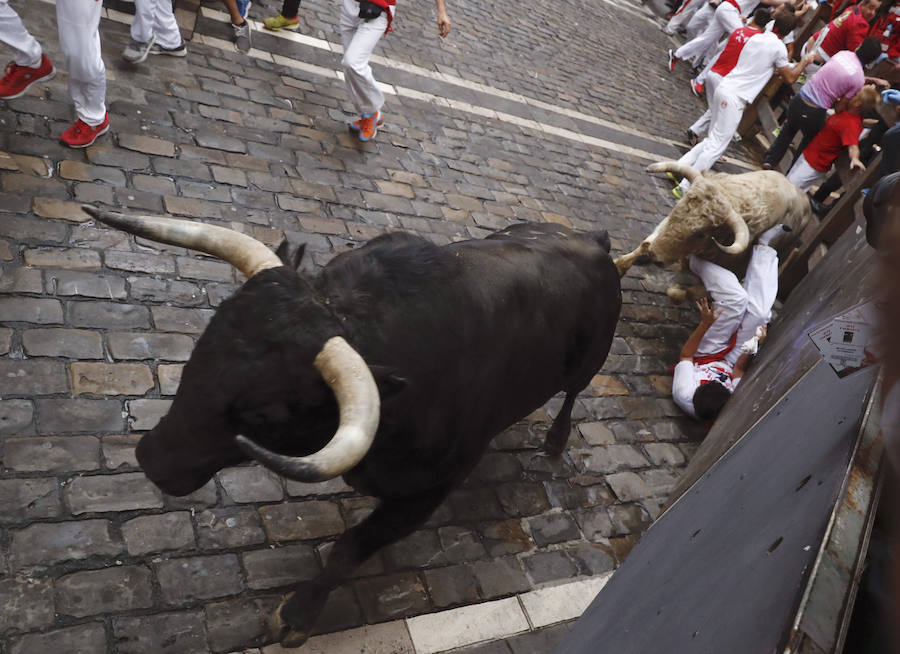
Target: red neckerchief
(703, 359)
(386, 5)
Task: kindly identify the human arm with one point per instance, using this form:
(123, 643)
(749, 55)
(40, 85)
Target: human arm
(708, 315)
(443, 20)
(855, 163)
(878, 82)
(792, 73)
(743, 362)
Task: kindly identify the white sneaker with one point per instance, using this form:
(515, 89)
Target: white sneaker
(242, 37)
(136, 52)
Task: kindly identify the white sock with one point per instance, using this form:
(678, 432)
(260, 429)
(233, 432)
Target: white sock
(771, 233)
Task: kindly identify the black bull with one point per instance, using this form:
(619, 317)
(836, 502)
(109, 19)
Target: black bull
(462, 341)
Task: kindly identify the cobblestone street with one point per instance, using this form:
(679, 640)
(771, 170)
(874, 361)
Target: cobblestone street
(545, 112)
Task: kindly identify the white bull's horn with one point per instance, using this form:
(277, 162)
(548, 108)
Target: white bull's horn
(741, 233)
(243, 252)
(345, 371)
(688, 172)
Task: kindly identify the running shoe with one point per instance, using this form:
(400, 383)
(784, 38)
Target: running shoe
(368, 126)
(18, 79)
(697, 88)
(672, 60)
(136, 52)
(355, 125)
(177, 51)
(242, 37)
(81, 135)
(279, 22)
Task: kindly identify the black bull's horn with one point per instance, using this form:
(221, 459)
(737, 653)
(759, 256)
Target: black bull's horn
(342, 368)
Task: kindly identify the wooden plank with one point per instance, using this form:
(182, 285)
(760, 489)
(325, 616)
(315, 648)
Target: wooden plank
(840, 217)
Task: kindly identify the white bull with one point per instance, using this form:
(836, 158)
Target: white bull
(719, 207)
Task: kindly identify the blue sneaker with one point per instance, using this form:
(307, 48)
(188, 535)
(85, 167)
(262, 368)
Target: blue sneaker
(244, 7)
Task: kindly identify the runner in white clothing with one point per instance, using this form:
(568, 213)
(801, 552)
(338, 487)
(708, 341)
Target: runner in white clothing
(761, 55)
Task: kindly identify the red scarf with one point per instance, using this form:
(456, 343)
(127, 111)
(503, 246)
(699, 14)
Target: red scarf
(387, 4)
(703, 359)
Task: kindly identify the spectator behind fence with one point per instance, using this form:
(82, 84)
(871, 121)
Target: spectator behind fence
(846, 32)
(78, 23)
(831, 87)
(841, 131)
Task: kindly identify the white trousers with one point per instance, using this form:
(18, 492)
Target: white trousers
(804, 176)
(744, 306)
(360, 38)
(725, 20)
(155, 17)
(26, 50)
(79, 36)
(726, 110)
(684, 14)
(701, 126)
(700, 20)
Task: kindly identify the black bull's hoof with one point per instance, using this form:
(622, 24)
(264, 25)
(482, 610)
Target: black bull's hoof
(282, 632)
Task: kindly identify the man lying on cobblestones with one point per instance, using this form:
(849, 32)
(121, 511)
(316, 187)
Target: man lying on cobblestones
(78, 22)
(363, 23)
(712, 363)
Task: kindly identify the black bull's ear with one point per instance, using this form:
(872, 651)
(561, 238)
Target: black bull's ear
(389, 382)
(290, 256)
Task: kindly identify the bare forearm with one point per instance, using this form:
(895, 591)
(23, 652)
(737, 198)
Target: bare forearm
(692, 343)
(741, 365)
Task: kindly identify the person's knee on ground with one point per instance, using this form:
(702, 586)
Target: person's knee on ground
(709, 400)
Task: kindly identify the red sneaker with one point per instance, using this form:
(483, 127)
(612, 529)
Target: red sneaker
(354, 126)
(18, 79)
(368, 126)
(81, 135)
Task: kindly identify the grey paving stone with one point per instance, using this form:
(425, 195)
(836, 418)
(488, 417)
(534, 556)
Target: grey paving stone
(229, 527)
(22, 499)
(127, 491)
(158, 533)
(272, 568)
(553, 528)
(628, 486)
(15, 416)
(236, 624)
(93, 592)
(69, 343)
(251, 484)
(201, 577)
(30, 310)
(301, 520)
(60, 416)
(64, 541)
(163, 633)
(451, 586)
(392, 596)
(32, 377)
(52, 453)
(87, 638)
(502, 576)
(549, 566)
(144, 345)
(539, 642)
(146, 414)
(25, 603)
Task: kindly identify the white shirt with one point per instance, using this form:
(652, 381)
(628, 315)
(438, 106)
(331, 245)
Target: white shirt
(688, 378)
(762, 54)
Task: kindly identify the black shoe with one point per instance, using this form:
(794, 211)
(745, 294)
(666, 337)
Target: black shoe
(818, 208)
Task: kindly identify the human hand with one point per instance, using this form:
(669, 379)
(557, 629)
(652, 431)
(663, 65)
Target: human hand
(708, 311)
(761, 332)
(856, 164)
(443, 22)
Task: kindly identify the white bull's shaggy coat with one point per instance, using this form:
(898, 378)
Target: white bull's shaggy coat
(720, 207)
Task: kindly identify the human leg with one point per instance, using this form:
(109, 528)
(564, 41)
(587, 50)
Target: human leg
(241, 27)
(26, 50)
(761, 286)
(800, 116)
(730, 298)
(360, 38)
(700, 20)
(803, 176)
(726, 111)
(695, 50)
(701, 126)
(683, 16)
(289, 18)
(79, 36)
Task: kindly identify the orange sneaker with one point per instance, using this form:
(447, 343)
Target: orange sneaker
(18, 79)
(354, 126)
(368, 126)
(81, 135)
